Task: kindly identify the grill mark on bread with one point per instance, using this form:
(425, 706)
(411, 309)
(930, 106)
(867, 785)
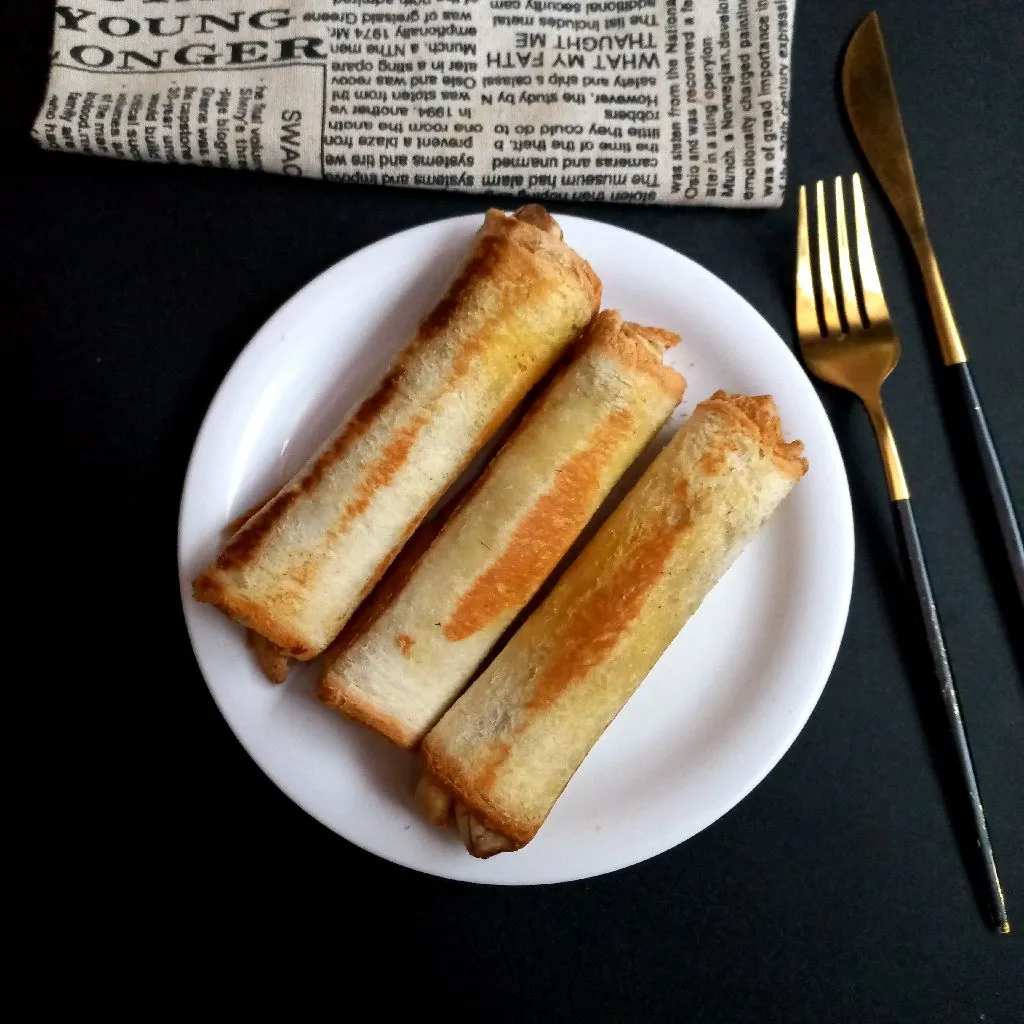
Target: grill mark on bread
(478, 266)
(542, 536)
(240, 520)
(595, 629)
(381, 472)
(602, 619)
(490, 763)
(712, 463)
(491, 250)
(250, 538)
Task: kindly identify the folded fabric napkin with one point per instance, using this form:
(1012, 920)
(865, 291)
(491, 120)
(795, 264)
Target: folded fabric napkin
(649, 101)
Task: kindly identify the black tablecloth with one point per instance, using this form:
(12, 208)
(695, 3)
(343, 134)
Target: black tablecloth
(834, 892)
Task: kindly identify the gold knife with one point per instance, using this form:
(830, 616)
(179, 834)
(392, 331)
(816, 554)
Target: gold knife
(874, 112)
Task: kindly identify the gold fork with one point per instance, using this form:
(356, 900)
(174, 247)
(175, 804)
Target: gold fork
(859, 357)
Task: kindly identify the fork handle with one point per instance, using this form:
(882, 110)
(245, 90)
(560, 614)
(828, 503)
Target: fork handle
(918, 572)
(994, 478)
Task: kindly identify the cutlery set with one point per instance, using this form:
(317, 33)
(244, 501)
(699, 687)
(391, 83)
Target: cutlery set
(847, 338)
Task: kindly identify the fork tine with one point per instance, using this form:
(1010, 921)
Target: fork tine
(871, 287)
(850, 308)
(829, 309)
(807, 326)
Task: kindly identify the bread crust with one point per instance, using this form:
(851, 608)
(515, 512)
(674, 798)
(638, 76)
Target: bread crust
(509, 746)
(452, 775)
(296, 570)
(757, 413)
(355, 706)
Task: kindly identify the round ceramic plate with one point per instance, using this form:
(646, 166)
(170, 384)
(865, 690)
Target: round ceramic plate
(721, 706)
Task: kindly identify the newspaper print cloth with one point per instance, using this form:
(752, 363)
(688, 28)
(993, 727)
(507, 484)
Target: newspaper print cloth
(645, 101)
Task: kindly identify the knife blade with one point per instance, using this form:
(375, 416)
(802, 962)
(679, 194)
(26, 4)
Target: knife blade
(870, 98)
(871, 102)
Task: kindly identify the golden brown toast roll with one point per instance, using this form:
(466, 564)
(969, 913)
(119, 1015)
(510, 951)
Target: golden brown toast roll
(297, 569)
(511, 743)
(405, 663)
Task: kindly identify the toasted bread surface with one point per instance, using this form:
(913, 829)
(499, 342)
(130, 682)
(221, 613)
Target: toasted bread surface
(429, 634)
(511, 743)
(297, 569)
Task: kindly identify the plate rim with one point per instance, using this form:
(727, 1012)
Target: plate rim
(262, 338)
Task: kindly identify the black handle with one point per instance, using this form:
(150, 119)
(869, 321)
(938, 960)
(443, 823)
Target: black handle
(918, 572)
(994, 479)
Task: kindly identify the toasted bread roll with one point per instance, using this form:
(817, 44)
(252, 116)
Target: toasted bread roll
(510, 744)
(402, 666)
(297, 569)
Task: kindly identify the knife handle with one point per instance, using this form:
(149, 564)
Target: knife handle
(945, 326)
(994, 478)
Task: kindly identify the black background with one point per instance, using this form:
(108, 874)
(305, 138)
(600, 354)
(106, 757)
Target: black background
(834, 892)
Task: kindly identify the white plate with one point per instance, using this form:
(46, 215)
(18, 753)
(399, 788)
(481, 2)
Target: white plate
(721, 706)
